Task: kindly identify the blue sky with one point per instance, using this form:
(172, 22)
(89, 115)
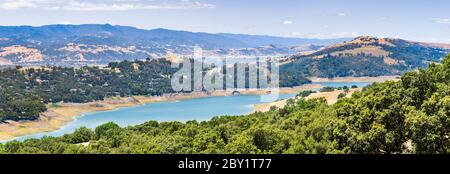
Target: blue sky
(418, 20)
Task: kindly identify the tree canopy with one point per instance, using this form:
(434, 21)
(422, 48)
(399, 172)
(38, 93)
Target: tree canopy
(408, 116)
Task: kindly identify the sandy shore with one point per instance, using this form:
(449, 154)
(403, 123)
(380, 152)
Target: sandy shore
(59, 115)
(331, 98)
(264, 107)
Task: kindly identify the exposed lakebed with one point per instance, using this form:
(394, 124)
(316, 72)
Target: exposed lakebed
(200, 109)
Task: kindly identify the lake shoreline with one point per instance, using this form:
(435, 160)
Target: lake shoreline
(331, 97)
(59, 115)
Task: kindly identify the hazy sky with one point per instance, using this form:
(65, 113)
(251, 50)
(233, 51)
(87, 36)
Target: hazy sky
(421, 20)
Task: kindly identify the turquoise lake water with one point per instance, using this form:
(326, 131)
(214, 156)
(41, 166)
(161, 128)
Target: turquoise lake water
(201, 109)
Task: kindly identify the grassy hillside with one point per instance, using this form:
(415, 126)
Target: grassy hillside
(409, 116)
(366, 56)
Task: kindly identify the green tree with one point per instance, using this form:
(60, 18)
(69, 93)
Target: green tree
(341, 95)
(104, 129)
(242, 144)
(81, 135)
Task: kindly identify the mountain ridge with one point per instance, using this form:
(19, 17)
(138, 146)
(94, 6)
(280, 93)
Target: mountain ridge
(70, 45)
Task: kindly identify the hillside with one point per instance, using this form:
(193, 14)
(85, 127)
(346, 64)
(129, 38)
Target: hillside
(405, 117)
(25, 91)
(70, 45)
(366, 56)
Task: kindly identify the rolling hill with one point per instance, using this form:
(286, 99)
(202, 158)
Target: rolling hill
(69, 45)
(365, 56)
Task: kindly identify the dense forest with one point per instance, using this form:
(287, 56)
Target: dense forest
(20, 106)
(408, 116)
(25, 91)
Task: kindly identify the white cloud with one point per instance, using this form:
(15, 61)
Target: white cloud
(102, 5)
(441, 20)
(342, 14)
(287, 22)
(345, 34)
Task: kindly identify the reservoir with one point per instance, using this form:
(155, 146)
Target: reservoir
(201, 109)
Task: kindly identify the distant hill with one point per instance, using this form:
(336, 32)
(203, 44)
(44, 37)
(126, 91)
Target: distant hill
(365, 56)
(257, 40)
(100, 44)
